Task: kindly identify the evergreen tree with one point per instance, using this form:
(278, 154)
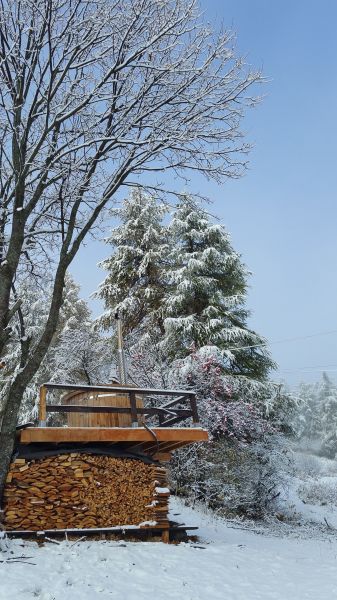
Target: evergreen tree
(316, 416)
(205, 302)
(75, 312)
(135, 284)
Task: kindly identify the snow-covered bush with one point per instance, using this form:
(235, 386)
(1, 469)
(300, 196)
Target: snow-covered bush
(231, 406)
(232, 477)
(307, 465)
(319, 492)
(243, 468)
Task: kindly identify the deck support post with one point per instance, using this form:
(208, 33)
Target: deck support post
(133, 406)
(194, 408)
(42, 407)
(165, 536)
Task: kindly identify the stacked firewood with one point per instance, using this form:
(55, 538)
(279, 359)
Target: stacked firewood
(84, 491)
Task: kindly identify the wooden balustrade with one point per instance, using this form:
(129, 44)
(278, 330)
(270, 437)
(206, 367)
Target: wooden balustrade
(168, 414)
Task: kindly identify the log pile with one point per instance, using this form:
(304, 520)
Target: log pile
(84, 491)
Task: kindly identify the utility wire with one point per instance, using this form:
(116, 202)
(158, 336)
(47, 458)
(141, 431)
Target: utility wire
(313, 367)
(304, 337)
(305, 370)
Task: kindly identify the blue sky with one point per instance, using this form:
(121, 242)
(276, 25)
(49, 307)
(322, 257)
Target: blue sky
(282, 215)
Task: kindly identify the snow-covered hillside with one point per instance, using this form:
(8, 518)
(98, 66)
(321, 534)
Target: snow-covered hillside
(228, 563)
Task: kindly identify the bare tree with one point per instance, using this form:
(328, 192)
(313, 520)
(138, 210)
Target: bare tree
(94, 94)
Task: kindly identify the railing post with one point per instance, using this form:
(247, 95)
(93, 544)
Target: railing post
(194, 408)
(133, 406)
(42, 406)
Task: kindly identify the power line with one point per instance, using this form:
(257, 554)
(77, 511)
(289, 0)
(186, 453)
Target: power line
(304, 337)
(313, 367)
(305, 370)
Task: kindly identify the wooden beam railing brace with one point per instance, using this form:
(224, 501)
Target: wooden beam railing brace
(133, 406)
(42, 407)
(167, 414)
(194, 408)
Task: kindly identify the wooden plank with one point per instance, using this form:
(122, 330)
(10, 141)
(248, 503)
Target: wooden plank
(163, 456)
(193, 403)
(24, 533)
(165, 536)
(42, 406)
(81, 408)
(133, 409)
(111, 388)
(170, 422)
(170, 446)
(174, 402)
(109, 434)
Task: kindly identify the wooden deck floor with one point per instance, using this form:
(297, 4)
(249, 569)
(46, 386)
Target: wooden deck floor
(161, 439)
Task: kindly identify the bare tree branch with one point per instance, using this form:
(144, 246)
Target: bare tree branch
(93, 94)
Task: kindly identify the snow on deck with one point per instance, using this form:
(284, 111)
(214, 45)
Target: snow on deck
(226, 564)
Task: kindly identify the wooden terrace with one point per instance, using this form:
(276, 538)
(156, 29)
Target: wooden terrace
(150, 429)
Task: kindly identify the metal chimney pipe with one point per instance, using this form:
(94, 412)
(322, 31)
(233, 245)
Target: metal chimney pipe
(120, 351)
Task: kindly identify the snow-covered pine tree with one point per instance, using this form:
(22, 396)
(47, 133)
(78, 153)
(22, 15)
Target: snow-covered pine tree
(316, 417)
(135, 284)
(205, 301)
(75, 312)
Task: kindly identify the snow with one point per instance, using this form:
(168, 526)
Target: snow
(229, 562)
(311, 496)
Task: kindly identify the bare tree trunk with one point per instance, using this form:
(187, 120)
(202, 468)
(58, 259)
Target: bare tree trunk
(8, 430)
(92, 95)
(13, 401)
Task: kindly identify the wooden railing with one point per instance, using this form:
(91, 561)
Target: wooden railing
(168, 414)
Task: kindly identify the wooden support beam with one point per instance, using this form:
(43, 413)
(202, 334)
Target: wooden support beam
(82, 408)
(133, 406)
(170, 422)
(162, 456)
(170, 446)
(110, 434)
(165, 536)
(174, 402)
(42, 406)
(194, 408)
(22, 533)
(118, 389)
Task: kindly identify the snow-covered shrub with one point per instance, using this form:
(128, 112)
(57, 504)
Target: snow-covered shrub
(243, 468)
(229, 406)
(307, 465)
(231, 477)
(319, 492)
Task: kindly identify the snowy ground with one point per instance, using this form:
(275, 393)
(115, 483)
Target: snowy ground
(228, 563)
